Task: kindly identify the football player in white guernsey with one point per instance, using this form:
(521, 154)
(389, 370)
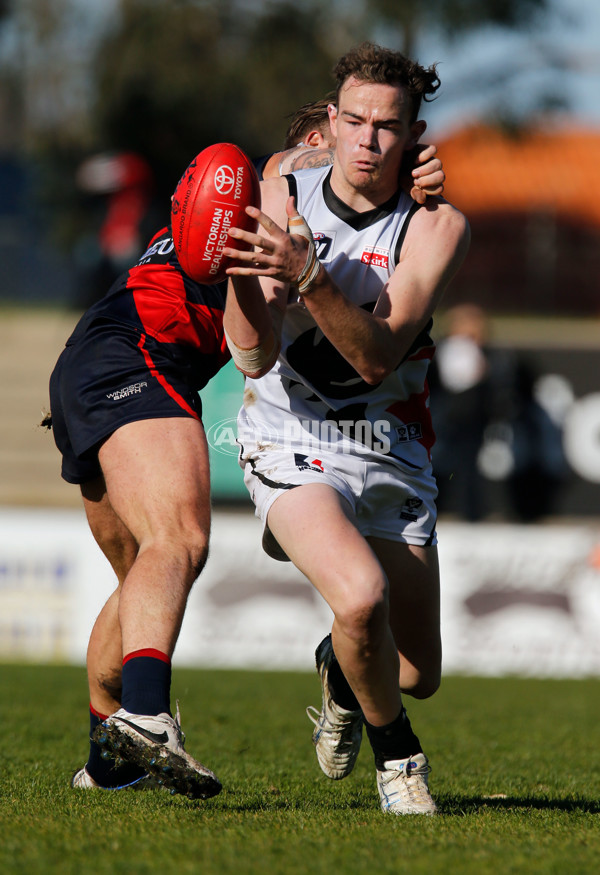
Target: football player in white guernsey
(309, 143)
(328, 317)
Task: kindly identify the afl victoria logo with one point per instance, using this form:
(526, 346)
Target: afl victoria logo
(224, 179)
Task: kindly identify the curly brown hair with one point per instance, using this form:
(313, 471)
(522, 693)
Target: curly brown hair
(368, 62)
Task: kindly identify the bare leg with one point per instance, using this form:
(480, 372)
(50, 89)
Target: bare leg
(314, 526)
(152, 520)
(413, 574)
(105, 649)
(105, 653)
(157, 479)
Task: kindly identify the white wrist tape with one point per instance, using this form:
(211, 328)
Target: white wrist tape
(308, 274)
(252, 361)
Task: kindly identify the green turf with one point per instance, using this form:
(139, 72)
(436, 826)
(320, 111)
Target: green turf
(516, 774)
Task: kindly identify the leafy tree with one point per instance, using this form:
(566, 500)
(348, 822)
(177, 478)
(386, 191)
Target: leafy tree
(165, 84)
(172, 78)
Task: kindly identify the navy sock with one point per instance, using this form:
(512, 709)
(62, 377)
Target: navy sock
(394, 741)
(105, 771)
(340, 689)
(146, 682)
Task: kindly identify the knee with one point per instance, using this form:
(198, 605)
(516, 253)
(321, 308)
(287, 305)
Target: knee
(188, 552)
(198, 554)
(119, 547)
(423, 686)
(180, 552)
(364, 618)
(190, 548)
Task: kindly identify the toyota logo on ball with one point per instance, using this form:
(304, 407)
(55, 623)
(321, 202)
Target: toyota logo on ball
(224, 179)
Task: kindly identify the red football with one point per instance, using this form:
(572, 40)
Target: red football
(210, 198)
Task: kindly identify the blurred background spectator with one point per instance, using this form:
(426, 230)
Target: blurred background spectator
(491, 425)
(538, 460)
(462, 406)
(122, 216)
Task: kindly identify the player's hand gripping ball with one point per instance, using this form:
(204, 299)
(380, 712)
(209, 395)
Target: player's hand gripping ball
(210, 198)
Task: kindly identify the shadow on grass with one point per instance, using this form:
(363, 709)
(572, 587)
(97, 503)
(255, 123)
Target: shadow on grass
(464, 805)
(279, 800)
(461, 806)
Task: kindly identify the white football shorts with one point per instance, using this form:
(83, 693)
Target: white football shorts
(387, 502)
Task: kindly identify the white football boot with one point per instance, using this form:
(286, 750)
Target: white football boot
(82, 780)
(338, 733)
(403, 786)
(157, 745)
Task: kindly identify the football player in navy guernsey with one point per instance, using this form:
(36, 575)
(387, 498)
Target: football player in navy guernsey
(331, 326)
(126, 416)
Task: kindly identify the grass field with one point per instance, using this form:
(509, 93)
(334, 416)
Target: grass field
(516, 774)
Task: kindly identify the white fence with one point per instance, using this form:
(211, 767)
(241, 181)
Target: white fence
(519, 600)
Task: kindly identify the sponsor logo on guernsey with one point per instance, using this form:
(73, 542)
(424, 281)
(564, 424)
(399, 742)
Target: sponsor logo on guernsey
(323, 243)
(160, 249)
(376, 256)
(410, 509)
(410, 431)
(127, 391)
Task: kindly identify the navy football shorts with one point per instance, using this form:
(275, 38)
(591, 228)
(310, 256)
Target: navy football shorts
(107, 378)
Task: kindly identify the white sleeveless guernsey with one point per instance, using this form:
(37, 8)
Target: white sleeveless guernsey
(312, 394)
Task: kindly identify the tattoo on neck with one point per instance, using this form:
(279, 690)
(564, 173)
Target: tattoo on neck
(314, 158)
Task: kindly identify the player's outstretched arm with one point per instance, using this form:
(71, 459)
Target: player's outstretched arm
(375, 343)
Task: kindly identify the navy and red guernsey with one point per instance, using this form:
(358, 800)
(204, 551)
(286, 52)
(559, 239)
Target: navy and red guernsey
(143, 351)
(158, 299)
